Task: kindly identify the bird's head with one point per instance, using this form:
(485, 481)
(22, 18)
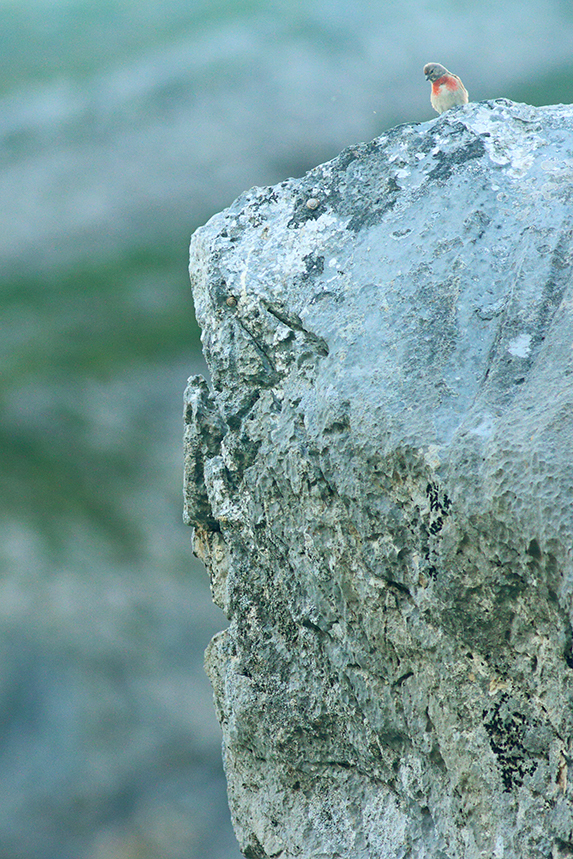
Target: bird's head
(434, 71)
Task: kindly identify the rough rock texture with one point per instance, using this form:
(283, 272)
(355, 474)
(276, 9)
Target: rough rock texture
(381, 486)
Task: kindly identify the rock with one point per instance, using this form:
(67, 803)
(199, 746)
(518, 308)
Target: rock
(381, 483)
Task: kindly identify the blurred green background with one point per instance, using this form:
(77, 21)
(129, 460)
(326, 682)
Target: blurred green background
(124, 126)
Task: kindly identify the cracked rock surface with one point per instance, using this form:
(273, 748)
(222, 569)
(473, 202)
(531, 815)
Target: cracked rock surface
(380, 482)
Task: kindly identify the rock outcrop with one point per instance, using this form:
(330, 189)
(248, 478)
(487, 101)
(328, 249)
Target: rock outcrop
(380, 482)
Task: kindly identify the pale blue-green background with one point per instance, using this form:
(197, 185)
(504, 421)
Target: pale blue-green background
(123, 126)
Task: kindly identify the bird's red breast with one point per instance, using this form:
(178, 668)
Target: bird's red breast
(449, 81)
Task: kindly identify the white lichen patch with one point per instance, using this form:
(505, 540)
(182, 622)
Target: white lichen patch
(502, 134)
(520, 346)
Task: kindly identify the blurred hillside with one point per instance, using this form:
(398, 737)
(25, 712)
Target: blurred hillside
(123, 126)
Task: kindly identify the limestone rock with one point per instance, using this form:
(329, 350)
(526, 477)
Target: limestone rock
(381, 485)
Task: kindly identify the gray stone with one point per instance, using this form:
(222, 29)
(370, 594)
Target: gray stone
(381, 486)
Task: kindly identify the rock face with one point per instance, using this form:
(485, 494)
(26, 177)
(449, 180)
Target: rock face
(381, 486)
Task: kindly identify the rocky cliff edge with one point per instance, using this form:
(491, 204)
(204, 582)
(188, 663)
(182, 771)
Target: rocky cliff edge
(380, 481)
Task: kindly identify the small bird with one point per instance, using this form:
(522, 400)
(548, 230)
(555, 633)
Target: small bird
(447, 89)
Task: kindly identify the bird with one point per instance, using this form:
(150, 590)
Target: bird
(447, 89)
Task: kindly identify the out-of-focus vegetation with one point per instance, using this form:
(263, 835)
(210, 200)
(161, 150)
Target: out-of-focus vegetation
(40, 40)
(64, 331)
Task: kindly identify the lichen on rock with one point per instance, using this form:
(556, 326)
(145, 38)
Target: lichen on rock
(380, 481)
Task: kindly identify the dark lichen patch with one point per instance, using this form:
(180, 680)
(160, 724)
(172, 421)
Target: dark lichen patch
(439, 507)
(302, 212)
(348, 156)
(314, 265)
(448, 162)
(372, 212)
(506, 726)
